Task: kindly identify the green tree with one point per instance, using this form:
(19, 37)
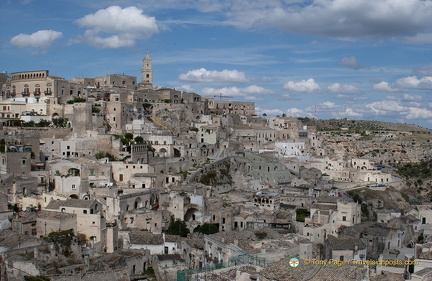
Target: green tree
(139, 139)
(127, 139)
(178, 227)
(60, 122)
(207, 228)
(301, 214)
(43, 123)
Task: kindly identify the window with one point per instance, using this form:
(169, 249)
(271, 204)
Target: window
(344, 218)
(91, 172)
(73, 186)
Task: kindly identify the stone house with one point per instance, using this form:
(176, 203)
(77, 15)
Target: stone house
(292, 150)
(377, 237)
(39, 84)
(119, 113)
(157, 244)
(231, 107)
(266, 200)
(344, 249)
(218, 250)
(123, 172)
(134, 262)
(118, 204)
(52, 221)
(328, 215)
(149, 220)
(25, 223)
(166, 266)
(110, 81)
(207, 133)
(90, 220)
(65, 177)
(267, 169)
(16, 160)
(12, 109)
(361, 164)
(192, 250)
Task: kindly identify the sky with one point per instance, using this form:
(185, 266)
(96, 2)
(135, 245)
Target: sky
(368, 59)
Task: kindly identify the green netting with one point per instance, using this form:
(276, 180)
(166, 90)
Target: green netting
(187, 275)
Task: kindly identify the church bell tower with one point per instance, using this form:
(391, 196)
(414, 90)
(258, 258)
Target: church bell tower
(147, 72)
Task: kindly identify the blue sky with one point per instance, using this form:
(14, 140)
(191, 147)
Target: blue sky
(326, 58)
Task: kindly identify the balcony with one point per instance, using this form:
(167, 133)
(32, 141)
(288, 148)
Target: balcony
(36, 93)
(25, 94)
(48, 93)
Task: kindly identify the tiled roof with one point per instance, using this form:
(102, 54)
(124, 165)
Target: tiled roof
(145, 238)
(55, 215)
(345, 243)
(74, 203)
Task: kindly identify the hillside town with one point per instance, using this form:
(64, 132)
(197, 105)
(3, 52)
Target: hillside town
(113, 178)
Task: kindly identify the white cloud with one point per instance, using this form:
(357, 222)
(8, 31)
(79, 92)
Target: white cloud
(337, 18)
(408, 97)
(408, 82)
(303, 86)
(423, 70)
(296, 112)
(269, 112)
(343, 88)
(41, 39)
(204, 75)
(415, 112)
(350, 62)
(347, 113)
(187, 88)
(254, 89)
(237, 92)
(328, 105)
(384, 87)
(126, 26)
(412, 82)
(386, 107)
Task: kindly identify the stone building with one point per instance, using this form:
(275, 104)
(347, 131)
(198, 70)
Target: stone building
(328, 215)
(377, 237)
(16, 160)
(344, 249)
(157, 244)
(115, 81)
(90, 221)
(231, 107)
(53, 221)
(146, 72)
